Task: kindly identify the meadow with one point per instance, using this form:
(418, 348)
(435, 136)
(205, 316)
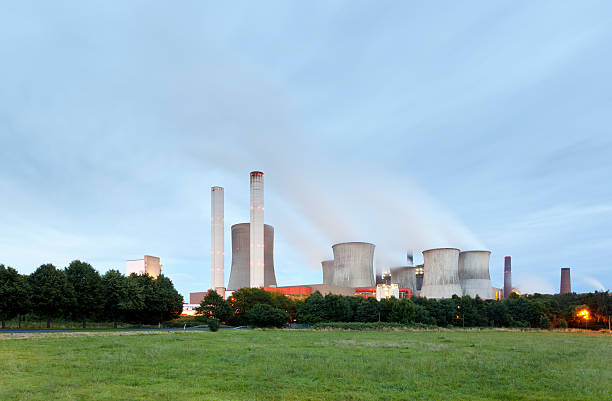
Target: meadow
(308, 365)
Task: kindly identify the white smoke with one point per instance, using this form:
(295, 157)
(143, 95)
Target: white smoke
(595, 283)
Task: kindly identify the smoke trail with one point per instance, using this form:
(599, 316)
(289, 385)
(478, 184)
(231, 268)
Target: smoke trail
(595, 283)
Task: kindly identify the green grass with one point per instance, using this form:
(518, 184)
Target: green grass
(309, 365)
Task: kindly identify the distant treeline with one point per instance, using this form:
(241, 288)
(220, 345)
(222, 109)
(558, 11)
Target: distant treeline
(79, 292)
(537, 311)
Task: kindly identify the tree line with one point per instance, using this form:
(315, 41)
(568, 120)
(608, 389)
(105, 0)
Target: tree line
(79, 292)
(256, 307)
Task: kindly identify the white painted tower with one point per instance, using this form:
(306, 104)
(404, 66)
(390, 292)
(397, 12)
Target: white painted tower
(257, 230)
(216, 239)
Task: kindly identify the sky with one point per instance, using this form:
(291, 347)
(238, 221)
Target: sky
(411, 125)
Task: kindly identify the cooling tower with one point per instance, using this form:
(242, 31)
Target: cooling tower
(328, 271)
(507, 276)
(405, 277)
(216, 238)
(566, 284)
(441, 273)
(256, 247)
(474, 274)
(240, 275)
(354, 264)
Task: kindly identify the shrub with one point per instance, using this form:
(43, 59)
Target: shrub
(544, 322)
(563, 324)
(213, 324)
(368, 325)
(262, 315)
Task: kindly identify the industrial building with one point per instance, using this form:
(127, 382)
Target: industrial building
(217, 228)
(441, 273)
(148, 265)
(566, 282)
(507, 276)
(474, 275)
(353, 265)
(240, 274)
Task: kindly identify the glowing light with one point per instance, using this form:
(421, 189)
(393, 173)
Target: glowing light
(584, 314)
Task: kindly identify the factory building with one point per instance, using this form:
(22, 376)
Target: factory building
(240, 275)
(441, 273)
(148, 265)
(474, 274)
(217, 225)
(566, 283)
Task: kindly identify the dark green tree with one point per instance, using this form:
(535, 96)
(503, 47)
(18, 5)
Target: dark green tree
(133, 305)
(367, 310)
(165, 302)
(51, 292)
(263, 315)
(14, 294)
(386, 306)
(312, 310)
(87, 289)
(115, 292)
(246, 298)
(336, 308)
(402, 311)
(214, 306)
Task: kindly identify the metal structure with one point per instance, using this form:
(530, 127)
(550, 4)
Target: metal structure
(240, 274)
(474, 274)
(507, 276)
(216, 239)
(441, 273)
(410, 258)
(420, 269)
(256, 246)
(405, 277)
(328, 271)
(353, 264)
(566, 283)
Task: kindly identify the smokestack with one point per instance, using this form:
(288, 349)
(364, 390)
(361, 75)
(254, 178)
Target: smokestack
(566, 284)
(410, 258)
(257, 230)
(507, 276)
(216, 239)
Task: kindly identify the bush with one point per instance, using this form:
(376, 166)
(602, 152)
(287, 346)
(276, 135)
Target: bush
(262, 315)
(213, 324)
(368, 325)
(563, 324)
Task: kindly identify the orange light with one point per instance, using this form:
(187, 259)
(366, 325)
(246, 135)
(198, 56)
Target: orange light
(584, 313)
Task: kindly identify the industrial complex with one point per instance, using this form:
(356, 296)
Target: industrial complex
(445, 272)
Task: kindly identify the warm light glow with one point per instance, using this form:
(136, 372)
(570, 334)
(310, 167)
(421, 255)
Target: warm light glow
(583, 313)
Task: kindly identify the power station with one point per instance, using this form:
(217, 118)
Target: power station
(444, 273)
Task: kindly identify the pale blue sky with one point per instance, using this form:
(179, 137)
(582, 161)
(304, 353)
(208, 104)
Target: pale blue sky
(464, 124)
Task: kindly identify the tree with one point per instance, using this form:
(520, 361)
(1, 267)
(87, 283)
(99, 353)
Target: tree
(13, 293)
(115, 290)
(336, 308)
(51, 292)
(170, 302)
(313, 309)
(246, 298)
(367, 310)
(214, 306)
(402, 311)
(133, 305)
(88, 290)
(263, 315)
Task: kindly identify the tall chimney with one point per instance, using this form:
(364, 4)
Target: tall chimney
(566, 284)
(507, 276)
(256, 266)
(410, 258)
(216, 239)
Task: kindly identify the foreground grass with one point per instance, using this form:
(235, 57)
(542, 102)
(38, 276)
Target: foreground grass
(309, 365)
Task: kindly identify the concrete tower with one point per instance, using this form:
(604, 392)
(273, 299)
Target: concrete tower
(353, 264)
(240, 275)
(216, 239)
(405, 277)
(257, 230)
(566, 284)
(474, 274)
(441, 273)
(507, 276)
(328, 271)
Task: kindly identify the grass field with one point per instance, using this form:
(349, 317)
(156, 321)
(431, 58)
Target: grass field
(309, 365)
